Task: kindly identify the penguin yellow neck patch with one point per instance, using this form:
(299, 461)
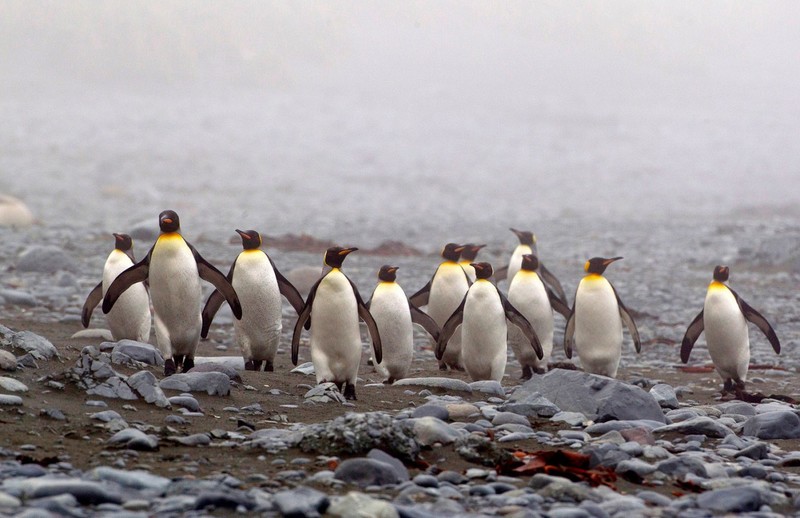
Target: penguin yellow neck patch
(716, 285)
(593, 277)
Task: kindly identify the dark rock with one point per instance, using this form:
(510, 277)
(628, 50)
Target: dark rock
(139, 351)
(85, 492)
(38, 346)
(45, 259)
(731, 500)
(756, 451)
(227, 370)
(697, 425)
(664, 395)
(212, 383)
(448, 384)
(145, 384)
(134, 439)
(482, 450)
(399, 468)
(678, 467)
(437, 411)
(223, 500)
(425, 480)
(781, 424)
(367, 472)
(301, 502)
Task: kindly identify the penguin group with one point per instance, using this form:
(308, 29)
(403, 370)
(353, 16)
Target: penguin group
(471, 322)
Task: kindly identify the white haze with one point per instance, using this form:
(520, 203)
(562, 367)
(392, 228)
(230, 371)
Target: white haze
(323, 115)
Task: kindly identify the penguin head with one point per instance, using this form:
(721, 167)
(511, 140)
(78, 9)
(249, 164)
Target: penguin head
(251, 240)
(388, 273)
(470, 252)
(597, 265)
(335, 255)
(452, 251)
(482, 270)
(526, 237)
(169, 221)
(530, 263)
(123, 242)
(721, 273)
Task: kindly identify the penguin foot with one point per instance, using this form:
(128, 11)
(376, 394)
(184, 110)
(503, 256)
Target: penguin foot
(257, 364)
(169, 367)
(527, 372)
(178, 359)
(188, 363)
(249, 365)
(269, 366)
(389, 380)
(350, 391)
(540, 370)
(563, 365)
(341, 386)
(442, 367)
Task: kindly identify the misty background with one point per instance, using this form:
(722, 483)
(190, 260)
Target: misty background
(426, 121)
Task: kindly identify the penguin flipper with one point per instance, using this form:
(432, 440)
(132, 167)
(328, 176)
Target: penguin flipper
(449, 328)
(629, 323)
(420, 298)
(214, 302)
(518, 319)
(500, 274)
(557, 303)
(553, 282)
(423, 319)
(94, 298)
(303, 319)
(372, 326)
(136, 273)
(287, 289)
(209, 273)
(751, 315)
(569, 333)
(693, 332)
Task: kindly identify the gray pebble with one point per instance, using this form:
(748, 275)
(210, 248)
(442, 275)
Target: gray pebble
(134, 439)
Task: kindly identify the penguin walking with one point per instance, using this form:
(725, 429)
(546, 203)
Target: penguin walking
(443, 293)
(536, 301)
(527, 245)
(482, 316)
(724, 319)
(395, 315)
(595, 325)
(468, 256)
(259, 285)
(174, 269)
(130, 318)
(335, 307)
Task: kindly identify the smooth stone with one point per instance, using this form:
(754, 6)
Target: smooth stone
(197, 439)
(223, 500)
(45, 259)
(781, 424)
(425, 480)
(187, 402)
(491, 387)
(146, 385)
(639, 467)
(301, 502)
(756, 451)
(95, 332)
(212, 383)
(18, 298)
(400, 470)
(85, 492)
(136, 479)
(139, 351)
(461, 411)
(678, 467)
(763, 408)
(38, 346)
(14, 212)
(225, 367)
(697, 425)
(53, 413)
(304, 368)
(8, 362)
(437, 411)
(134, 439)
(501, 418)
(367, 472)
(8, 400)
(598, 397)
(657, 499)
(430, 430)
(731, 500)
(113, 388)
(449, 384)
(737, 407)
(9, 502)
(664, 395)
(12, 385)
(106, 416)
(531, 405)
(359, 504)
(571, 418)
(601, 428)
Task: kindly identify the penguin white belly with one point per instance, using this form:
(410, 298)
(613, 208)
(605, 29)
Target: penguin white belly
(335, 332)
(484, 333)
(598, 327)
(447, 291)
(175, 292)
(726, 334)
(130, 316)
(515, 263)
(389, 309)
(527, 293)
(259, 330)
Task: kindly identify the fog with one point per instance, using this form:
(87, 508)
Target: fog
(313, 115)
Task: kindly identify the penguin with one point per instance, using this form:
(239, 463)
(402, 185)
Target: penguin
(394, 315)
(174, 269)
(482, 316)
(724, 319)
(259, 285)
(527, 245)
(468, 256)
(335, 307)
(595, 324)
(536, 301)
(443, 293)
(130, 319)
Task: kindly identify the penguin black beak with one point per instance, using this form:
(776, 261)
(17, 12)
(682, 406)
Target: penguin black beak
(459, 249)
(168, 221)
(609, 261)
(118, 237)
(243, 233)
(393, 269)
(346, 251)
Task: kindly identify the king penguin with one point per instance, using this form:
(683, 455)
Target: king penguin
(443, 293)
(468, 256)
(482, 316)
(335, 307)
(130, 317)
(595, 325)
(174, 269)
(527, 245)
(394, 315)
(259, 285)
(724, 319)
(536, 301)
